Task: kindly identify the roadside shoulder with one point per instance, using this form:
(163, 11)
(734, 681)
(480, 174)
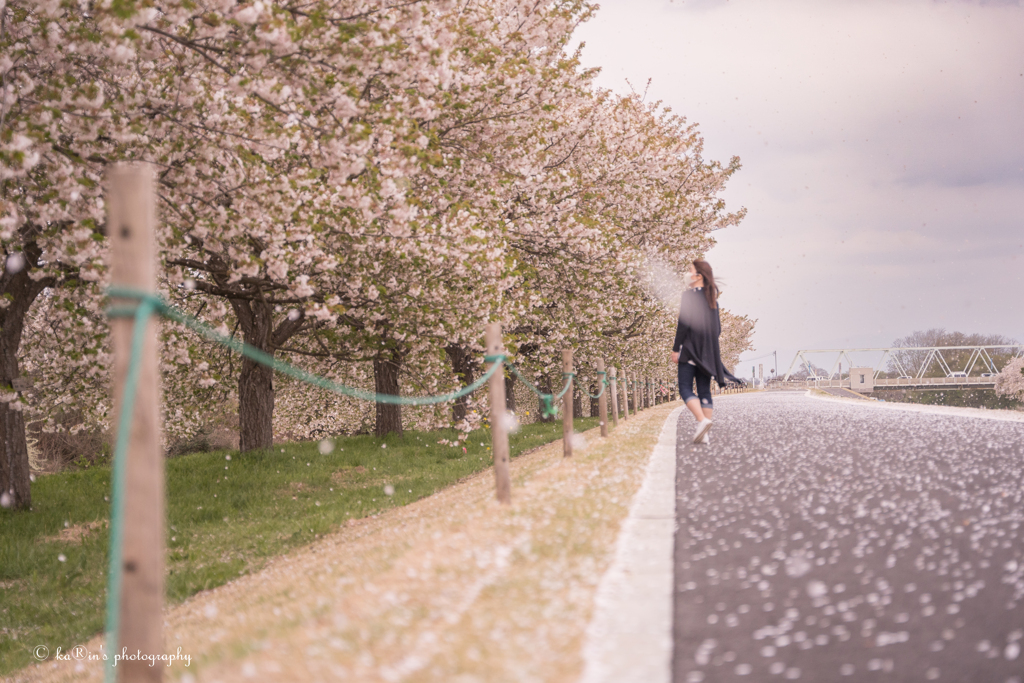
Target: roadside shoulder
(630, 635)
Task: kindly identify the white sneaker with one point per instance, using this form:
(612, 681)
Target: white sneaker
(707, 438)
(702, 429)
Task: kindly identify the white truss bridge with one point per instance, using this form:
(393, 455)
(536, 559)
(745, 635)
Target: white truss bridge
(979, 370)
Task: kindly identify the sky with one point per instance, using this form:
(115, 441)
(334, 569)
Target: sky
(882, 146)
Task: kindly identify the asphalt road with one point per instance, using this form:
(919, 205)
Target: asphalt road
(820, 541)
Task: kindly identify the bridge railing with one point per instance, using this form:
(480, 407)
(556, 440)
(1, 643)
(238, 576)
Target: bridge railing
(981, 358)
(933, 381)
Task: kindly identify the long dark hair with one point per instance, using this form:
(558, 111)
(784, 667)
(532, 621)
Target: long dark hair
(703, 269)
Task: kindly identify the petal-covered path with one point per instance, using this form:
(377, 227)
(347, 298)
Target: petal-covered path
(826, 541)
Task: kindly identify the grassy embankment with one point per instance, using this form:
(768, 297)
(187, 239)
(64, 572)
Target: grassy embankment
(962, 398)
(226, 517)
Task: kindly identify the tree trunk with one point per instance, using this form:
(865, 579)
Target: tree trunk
(510, 394)
(594, 388)
(15, 478)
(21, 290)
(546, 388)
(255, 407)
(256, 381)
(577, 401)
(464, 369)
(386, 367)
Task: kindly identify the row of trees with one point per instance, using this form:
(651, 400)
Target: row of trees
(356, 186)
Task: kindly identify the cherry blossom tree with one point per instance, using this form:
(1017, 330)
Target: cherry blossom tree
(1010, 382)
(55, 132)
(447, 250)
(634, 186)
(496, 196)
(737, 337)
(355, 186)
(268, 182)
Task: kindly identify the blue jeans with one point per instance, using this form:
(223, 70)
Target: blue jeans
(687, 374)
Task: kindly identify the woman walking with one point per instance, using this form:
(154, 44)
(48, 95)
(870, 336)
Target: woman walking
(696, 349)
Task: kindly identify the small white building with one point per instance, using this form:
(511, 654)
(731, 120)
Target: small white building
(862, 379)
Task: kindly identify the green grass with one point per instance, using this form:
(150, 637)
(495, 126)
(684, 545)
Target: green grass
(964, 398)
(225, 518)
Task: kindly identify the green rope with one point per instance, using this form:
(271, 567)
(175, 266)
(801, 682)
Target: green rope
(568, 383)
(548, 408)
(147, 305)
(604, 385)
(267, 359)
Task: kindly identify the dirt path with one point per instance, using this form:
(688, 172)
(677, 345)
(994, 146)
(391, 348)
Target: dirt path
(453, 588)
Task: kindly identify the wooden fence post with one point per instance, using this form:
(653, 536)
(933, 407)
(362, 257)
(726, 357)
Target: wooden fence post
(602, 401)
(567, 406)
(499, 419)
(625, 395)
(631, 394)
(624, 385)
(614, 388)
(131, 227)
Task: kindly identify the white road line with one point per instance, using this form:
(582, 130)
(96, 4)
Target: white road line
(629, 639)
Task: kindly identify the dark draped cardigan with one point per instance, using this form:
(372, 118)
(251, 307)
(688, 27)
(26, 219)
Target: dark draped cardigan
(697, 335)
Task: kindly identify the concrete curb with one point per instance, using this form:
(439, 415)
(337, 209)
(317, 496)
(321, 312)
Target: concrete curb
(630, 635)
